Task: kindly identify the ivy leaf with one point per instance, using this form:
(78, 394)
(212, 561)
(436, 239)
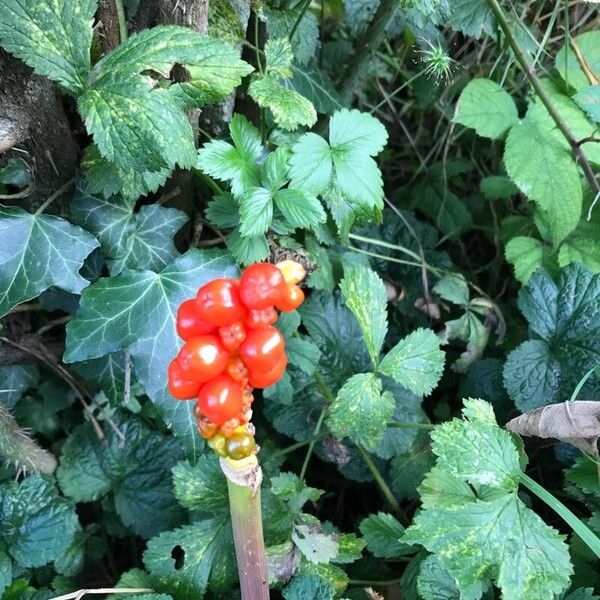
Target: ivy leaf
(564, 320)
(290, 109)
(201, 486)
(39, 251)
(37, 524)
(136, 310)
(300, 208)
(487, 533)
(137, 474)
(150, 245)
(52, 36)
(207, 548)
(416, 362)
(240, 163)
(14, 380)
(543, 169)
(485, 107)
(345, 162)
(382, 533)
(107, 372)
(360, 411)
(366, 298)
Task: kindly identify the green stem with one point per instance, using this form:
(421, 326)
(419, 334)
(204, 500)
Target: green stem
(375, 242)
(299, 19)
(294, 447)
(311, 445)
(543, 96)
(243, 484)
(369, 583)
(123, 33)
(385, 488)
(576, 524)
(400, 425)
(59, 192)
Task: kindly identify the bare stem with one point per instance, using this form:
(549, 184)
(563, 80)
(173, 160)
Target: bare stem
(243, 482)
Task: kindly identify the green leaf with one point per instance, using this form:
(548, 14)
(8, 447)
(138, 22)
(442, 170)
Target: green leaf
(108, 373)
(416, 362)
(5, 571)
(256, 212)
(564, 320)
(317, 547)
(453, 287)
(543, 169)
(488, 533)
(137, 310)
(279, 55)
(136, 473)
(39, 251)
(470, 330)
(247, 250)
(15, 172)
(496, 187)
(588, 99)
(52, 36)
(580, 247)
(567, 62)
(309, 587)
(239, 163)
(316, 86)
(201, 486)
(526, 255)
(435, 583)
(300, 208)
(208, 554)
(303, 354)
(382, 533)
(444, 207)
(223, 211)
(289, 488)
(485, 107)
(290, 109)
(306, 38)
(360, 411)
(472, 17)
(37, 525)
(14, 380)
(345, 163)
(365, 296)
(142, 125)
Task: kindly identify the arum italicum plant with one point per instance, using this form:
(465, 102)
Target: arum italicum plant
(232, 347)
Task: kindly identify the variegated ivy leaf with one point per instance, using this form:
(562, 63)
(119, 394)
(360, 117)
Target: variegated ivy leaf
(136, 310)
(473, 520)
(39, 251)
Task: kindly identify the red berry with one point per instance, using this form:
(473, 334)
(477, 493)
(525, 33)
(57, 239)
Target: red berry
(202, 358)
(264, 379)
(189, 323)
(180, 385)
(291, 300)
(218, 302)
(232, 336)
(220, 399)
(261, 285)
(261, 318)
(262, 348)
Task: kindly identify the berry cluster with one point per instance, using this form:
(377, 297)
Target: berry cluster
(232, 347)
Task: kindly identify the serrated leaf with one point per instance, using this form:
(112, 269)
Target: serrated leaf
(309, 587)
(256, 212)
(52, 36)
(289, 488)
(317, 547)
(136, 473)
(14, 380)
(207, 548)
(247, 250)
(564, 318)
(150, 245)
(240, 163)
(435, 583)
(223, 211)
(300, 208)
(290, 109)
(416, 362)
(201, 486)
(306, 38)
(382, 533)
(472, 17)
(137, 311)
(453, 287)
(360, 411)
(580, 248)
(488, 533)
(588, 99)
(39, 251)
(345, 163)
(279, 55)
(37, 524)
(365, 296)
(526, 255)
(303, 354)
(544, 170)
(485, 107)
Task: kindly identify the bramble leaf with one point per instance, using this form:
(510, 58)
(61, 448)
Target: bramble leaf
(487, 533)
(382, 533)
(416, 362)
(527, 255)
(136, 310)
(300, 208)
(52, 36)
(39, 251)
(485, 107)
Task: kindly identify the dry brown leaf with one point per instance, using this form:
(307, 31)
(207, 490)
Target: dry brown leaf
(577, 423)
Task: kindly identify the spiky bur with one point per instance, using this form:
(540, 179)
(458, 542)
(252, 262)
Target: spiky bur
(19, 449)
(438, 63)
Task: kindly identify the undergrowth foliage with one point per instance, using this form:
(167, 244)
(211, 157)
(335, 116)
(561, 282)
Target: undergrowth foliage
(434, 167)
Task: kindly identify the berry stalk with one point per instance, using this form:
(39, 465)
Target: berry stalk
(243, 482)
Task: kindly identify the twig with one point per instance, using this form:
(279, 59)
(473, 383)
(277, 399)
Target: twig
(544, 97)
(81, 593)
(583, 64)
(59, 192)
